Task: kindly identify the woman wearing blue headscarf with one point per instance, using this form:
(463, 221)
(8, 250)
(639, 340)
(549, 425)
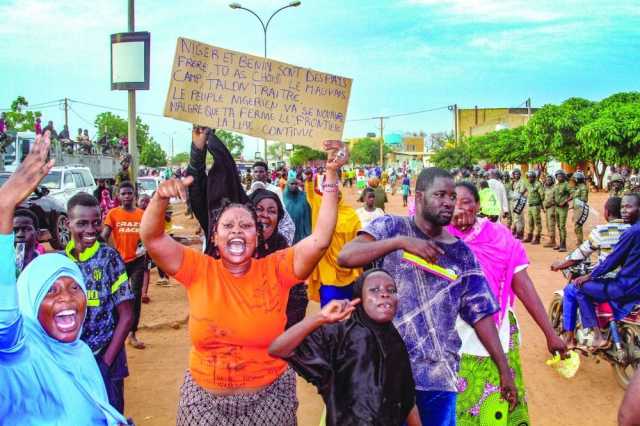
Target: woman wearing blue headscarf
(48, 376)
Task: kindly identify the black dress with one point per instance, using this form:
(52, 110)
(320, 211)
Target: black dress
(361, 369)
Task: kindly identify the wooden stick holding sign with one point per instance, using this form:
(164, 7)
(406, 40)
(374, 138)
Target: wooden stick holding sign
(259, 97)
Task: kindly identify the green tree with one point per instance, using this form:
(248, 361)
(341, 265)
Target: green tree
(302, 154)
(614, 136)
(114, 126)
(367, 151)
(275, 150)
(180, 158)
(153, 155)
(18, 118)
(233, 141)
(454, 156)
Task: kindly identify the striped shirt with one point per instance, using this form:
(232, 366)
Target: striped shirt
(601, 240)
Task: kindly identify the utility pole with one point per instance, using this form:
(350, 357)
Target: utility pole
(528, 103)
(382, 141)
(133, 145)
(454, 109)
(66, 113)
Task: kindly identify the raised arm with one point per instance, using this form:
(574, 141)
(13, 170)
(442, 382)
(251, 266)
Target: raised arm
(166, 252)
(18, 187)
(310, 250)
(196, 168)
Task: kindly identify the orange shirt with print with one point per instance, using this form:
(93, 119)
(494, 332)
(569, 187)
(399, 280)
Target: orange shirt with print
(233, 320)
(125, 230)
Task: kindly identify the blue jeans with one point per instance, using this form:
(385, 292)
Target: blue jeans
(436, 408)
(332, 292)
(595, 291)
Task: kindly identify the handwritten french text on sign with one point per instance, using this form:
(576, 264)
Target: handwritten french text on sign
(260, 97)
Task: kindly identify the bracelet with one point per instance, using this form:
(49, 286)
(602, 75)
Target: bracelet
(329, 185)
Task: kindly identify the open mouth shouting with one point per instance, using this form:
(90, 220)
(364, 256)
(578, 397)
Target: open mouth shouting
(236, 246)
(66, 320)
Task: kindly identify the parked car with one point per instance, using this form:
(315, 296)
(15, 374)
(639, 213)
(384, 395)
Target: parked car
(147, 185)
(51, 214)
(65, 182)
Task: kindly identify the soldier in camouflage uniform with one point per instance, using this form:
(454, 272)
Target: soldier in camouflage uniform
(580, 197)
(549, 205)
(535, 194)
(616, 185)
(561, 196)
(516, 189)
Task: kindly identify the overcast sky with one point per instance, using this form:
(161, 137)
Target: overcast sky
(403, 56)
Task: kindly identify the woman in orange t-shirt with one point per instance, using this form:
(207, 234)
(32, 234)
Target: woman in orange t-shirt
(237, 306)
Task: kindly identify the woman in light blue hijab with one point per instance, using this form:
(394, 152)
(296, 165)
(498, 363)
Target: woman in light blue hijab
(48, 376)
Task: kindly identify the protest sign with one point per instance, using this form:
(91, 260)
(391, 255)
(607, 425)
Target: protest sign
(223, 89)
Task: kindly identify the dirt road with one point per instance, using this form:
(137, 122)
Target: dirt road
(590, 398)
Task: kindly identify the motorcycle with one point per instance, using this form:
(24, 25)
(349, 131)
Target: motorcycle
(623, 337)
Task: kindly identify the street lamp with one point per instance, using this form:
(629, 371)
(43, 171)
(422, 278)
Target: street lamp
(264, 29)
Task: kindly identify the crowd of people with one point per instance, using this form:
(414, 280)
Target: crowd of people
(417, 322)
(82, 143)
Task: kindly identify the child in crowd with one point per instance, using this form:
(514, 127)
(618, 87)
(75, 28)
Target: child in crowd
(354, 356)
(124, 223)
(107, 203)
(406, 190)
(25, 228)
(109, 297)
(369, 211)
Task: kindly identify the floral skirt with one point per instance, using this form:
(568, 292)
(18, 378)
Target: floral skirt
(275, 405)
(479, 401)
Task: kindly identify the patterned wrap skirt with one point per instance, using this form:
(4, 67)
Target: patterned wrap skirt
(479, 401)
(274, 405)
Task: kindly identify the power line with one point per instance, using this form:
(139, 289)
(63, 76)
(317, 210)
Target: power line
(114, 108)
(80, 117)
(404, 114)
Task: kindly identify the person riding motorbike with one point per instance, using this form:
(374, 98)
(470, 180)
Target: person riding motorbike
(620, 289)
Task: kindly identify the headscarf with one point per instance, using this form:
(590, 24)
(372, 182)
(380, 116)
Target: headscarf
(276, 241)
(499, 254)
(299, 210)
(391, 344)
(58, 362)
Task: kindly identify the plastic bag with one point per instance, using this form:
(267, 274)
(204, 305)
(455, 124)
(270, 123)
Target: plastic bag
(567, 368)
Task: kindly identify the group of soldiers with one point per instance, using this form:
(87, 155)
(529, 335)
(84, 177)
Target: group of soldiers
(552, 197)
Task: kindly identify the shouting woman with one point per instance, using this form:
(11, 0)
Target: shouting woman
(47, 374)
(237, 306)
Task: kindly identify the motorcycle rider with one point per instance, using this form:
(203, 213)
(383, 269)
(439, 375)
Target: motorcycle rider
(621, 290)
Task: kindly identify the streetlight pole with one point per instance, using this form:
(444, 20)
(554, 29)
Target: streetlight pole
(132, 138)
(265, 27)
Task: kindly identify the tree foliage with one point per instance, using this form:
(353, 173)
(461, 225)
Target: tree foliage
(18, 118)
(180, 158)
(454, 156)
(367, 151)
(114, 126)
(578, 130)
(233, 141)
(303, 154)
(153, 155)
